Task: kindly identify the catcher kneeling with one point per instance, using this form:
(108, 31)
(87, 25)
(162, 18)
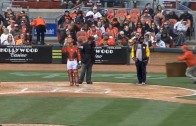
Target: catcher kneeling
(73, 61)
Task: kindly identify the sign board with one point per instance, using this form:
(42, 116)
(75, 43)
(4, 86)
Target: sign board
(108, 55)
(25, 54)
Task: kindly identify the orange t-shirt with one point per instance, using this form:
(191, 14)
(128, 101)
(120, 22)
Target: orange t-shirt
(38, 21)
(189, 57)
(110, 42)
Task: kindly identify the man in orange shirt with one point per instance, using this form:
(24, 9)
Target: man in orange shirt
(73, 60)
(40, 25)
(106, 41)
(189, 57)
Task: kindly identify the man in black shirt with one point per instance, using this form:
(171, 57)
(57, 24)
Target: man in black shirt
(87, 52)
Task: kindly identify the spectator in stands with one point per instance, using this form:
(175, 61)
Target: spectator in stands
(158, 35)
(94, 32)
(9, 15)
(96, 14)
(145, 27)
(2, 20)
(147, 40)
(21, 40)
(106, 41)
(90, 13)
(115, 23)
(159, 10)
(6, 38)
(10, 27)
(64, 17)
(129, 23)
(181, 28)
(150, 10)
(62, 29)
(71, 28)
(187, 16)
(112, 31)
(159, 18)
(79, 17)
(159, 42)
(100, 27)
(122, 40)
(146, 15)
(172, 15)
(127, 31)
(23, 17)
(169, 29)
(87, 53)
(40, 25)
(16, 32)
(85, 27)
(167, 39)
(153, 28)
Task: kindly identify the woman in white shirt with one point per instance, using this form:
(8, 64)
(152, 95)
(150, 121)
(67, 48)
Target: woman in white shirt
(4, 38)
(10, 40)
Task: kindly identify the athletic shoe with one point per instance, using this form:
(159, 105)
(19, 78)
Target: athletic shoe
(89, 82)
(138, 83)
(143, 83)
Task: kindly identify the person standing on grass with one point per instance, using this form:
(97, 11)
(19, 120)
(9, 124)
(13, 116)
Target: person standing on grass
(189, 57)
(140, 54)
(87, 52)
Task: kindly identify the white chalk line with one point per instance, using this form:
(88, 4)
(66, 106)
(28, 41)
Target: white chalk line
(24, 90)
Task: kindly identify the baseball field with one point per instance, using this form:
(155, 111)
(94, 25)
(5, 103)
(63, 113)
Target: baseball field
(40, 95)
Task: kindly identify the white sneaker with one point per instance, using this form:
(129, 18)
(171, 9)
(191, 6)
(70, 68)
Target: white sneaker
(143, 83)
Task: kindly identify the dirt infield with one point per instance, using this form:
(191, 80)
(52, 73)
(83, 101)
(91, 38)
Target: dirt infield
(101, 89)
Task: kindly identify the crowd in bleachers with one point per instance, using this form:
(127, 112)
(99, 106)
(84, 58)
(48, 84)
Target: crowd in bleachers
(14, 28)
(125, 27)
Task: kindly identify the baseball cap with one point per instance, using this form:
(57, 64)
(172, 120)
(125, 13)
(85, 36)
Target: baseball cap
(94, 8)
(121, 32)
(185, 47)
(15, 25)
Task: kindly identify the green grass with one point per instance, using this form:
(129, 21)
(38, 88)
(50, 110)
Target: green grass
(116, 77)
(95, 111)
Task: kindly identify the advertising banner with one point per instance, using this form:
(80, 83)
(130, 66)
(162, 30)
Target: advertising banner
(51, 30)
(26, 54)
(108, 55)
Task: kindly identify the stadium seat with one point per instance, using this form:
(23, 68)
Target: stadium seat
(121, 12)
(111, 12)
(134, 18)
(135, 11)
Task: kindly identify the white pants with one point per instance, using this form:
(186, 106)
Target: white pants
(71, 65)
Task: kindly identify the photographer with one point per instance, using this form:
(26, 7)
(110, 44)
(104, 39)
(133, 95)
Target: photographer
(87, 52)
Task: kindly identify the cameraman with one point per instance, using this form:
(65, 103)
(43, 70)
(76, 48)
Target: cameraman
(87, 52)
